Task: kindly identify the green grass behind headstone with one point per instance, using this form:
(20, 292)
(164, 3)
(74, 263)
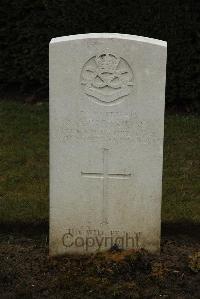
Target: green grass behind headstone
(24, 162)
(181, 177)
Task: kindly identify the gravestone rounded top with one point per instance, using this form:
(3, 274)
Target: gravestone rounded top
(110, 35)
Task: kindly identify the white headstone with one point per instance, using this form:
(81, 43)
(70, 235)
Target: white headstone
(107, 95)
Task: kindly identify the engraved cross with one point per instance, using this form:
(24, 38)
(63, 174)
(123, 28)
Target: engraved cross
(105, 176)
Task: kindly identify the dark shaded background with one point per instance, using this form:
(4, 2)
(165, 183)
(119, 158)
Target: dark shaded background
(27, 27)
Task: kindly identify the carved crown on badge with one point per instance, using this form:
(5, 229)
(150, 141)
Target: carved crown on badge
(107, 62)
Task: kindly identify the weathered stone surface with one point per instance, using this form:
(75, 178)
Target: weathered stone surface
(107, 94)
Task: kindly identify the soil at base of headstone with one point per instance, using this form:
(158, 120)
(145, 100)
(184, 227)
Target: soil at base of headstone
(26, 270)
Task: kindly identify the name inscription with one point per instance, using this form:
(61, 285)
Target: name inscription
(108, 126)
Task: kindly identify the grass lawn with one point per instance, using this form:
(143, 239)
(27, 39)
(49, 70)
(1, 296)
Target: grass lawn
(24, 165)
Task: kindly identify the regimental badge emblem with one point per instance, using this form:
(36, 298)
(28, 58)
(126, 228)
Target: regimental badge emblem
(107, 78)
